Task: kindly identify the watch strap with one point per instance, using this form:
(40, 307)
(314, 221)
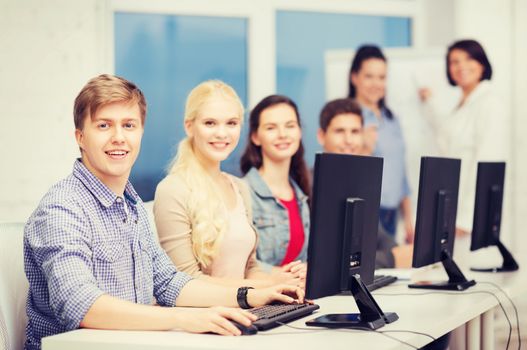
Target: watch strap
(241, 297)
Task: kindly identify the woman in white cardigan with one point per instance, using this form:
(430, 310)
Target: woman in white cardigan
(477, 129)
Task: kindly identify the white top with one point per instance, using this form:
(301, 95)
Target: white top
(237, 243)
(476, 131)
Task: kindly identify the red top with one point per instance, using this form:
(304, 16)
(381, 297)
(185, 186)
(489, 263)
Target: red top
(296, 230)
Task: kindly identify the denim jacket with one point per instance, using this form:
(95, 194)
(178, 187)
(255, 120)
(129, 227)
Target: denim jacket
(271, 219)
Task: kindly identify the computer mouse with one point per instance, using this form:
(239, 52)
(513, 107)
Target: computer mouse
(246, 330)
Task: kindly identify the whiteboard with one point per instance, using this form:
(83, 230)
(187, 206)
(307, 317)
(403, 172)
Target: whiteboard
(408, 70)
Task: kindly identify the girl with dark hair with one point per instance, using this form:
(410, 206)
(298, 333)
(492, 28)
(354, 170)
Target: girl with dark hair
(275, 170)
(382, 136)
(477, 129)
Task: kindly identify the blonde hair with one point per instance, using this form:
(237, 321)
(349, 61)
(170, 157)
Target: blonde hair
(207, 210)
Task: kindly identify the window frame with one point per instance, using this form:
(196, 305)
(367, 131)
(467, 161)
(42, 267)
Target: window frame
(261, 18)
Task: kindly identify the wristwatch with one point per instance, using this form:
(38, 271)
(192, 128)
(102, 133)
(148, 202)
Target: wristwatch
(241, 296)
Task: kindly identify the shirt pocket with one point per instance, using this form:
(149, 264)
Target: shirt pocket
(112, 268)
(267, 239)
(263, 222)
(108, 252)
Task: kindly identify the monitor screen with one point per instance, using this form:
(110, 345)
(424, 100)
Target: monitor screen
(488, 205)
(436, 209)
(343, 237)
(342, 183)
(436, 222)
(487, 214)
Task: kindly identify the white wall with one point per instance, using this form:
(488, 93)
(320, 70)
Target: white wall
(519, 82)
(48, 51)
(439, 28)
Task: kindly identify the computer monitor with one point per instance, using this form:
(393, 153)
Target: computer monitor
(487, 214)
(436, 221)
(342, 241)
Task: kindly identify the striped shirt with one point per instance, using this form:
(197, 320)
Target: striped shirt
(84, 241)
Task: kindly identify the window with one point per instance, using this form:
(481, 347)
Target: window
(166, 56)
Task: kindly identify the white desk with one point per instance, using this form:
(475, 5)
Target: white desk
(513, 283)
(434, 313)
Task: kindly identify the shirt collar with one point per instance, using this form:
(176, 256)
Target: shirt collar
(367, 111)
(480, 89)
(258, 184)
(99, 190)
(300, 195)
(262, 190)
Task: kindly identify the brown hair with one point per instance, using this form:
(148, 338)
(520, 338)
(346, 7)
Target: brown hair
(476, 52)
(364, 53)
(102, 90)
(336, 107)
(252, 157)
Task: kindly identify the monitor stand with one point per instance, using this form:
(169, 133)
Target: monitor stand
(509, 264)
(370, 317)
(456, 279)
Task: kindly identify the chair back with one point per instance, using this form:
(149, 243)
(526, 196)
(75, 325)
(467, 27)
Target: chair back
(13, 286)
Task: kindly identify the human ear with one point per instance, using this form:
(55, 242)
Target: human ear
(353, 79)
(321, 137)
(188, 128)
(79, 137)
(255, 139)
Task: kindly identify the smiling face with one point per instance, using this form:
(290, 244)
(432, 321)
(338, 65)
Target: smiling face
(278, 133)
(465, 71)
(370, 81)
(343, 135)
(215, 131)
(110, 142)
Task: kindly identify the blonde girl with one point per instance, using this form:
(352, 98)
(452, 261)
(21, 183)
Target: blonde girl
(203, 215)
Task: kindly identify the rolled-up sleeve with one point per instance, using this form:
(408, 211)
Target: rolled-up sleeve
(168, 282)
(61, 248)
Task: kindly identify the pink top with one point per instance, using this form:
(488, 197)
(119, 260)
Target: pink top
(238, 242)
(296, 230)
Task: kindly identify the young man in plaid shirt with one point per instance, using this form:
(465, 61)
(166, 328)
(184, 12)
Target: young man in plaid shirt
(90, 256)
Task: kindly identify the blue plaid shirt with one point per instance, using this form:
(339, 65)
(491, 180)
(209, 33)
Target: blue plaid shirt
(84, 241)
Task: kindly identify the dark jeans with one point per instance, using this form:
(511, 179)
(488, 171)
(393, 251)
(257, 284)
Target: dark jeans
(388, 220)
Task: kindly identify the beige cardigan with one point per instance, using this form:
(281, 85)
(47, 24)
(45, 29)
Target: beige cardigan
(174, 227)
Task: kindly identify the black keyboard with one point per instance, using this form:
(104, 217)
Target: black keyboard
(381, 281)
(270, 316)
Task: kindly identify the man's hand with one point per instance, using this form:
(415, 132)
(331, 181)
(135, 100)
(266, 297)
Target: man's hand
(424, 94)
(214, 319)
(403, 255)
(410, 232)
